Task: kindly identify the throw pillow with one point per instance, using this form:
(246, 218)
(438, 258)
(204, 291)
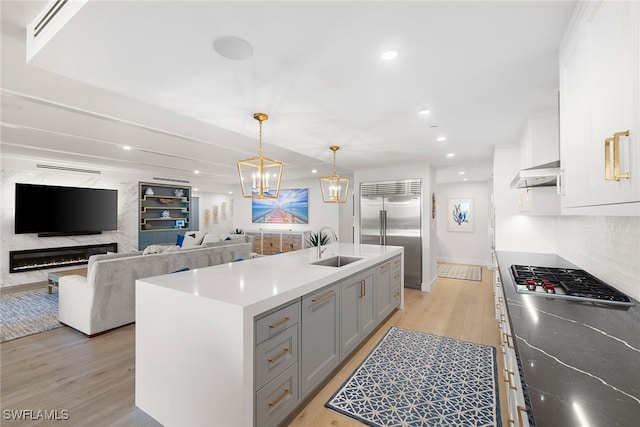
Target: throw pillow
(152, 249)
(179, 240)
(211, 238)
(189, 242)
(198, 235)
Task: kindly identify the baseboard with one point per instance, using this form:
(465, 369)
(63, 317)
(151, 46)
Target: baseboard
(467, 261)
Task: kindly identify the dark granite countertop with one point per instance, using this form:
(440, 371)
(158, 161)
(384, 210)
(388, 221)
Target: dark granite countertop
(581, 360)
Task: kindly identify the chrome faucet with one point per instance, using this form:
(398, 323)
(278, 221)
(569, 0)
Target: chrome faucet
(333, 234)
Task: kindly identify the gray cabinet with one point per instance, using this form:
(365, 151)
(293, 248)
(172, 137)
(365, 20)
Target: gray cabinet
(357, 311)
(383, 290)
(319, 341)
(276, 364)
(396, 282)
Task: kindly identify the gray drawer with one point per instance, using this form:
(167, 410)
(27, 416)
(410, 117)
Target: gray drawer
(277, 321)
(275, 355)
(274, 401)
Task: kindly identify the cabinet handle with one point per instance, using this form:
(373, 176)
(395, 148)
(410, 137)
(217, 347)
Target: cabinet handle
(617, 176)
(607, 160)
(616, 156)
(521, 409)
(507, 379)
(280, 356)
(280, 323)
(506, 339)
(324, 297)
(363, 288)
(280, 398)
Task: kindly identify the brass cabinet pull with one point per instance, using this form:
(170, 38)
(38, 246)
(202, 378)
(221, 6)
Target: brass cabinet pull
(324, 297)
(506, 339)
(280, 398)
(616, 156)
(280, 356)
(521, 409)
(283, 321)
(617, 176)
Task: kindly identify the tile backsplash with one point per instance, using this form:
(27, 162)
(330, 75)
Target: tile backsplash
(606, 246)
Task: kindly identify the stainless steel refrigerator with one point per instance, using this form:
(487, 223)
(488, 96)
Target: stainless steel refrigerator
(390, 214)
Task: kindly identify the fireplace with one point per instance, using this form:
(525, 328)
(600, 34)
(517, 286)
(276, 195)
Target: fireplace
(39, 259)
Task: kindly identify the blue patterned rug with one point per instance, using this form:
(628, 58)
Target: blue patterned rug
(417, 379)
(27, 313)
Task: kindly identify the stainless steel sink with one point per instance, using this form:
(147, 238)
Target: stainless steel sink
(337, 261)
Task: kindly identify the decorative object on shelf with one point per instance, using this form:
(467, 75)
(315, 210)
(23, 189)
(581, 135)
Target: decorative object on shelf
(166, 214)
(256, 172)
(165, 200)
(178, 192)
(334, 187)
(179, 223)
(291, 207)
(460, 214)
(148, 191)
(147, 226)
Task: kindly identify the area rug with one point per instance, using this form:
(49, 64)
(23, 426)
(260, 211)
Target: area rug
(460, 271)
(27, 313)
(413, 378)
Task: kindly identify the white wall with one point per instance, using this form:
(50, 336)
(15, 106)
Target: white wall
(320, 214)
(222, 224)
(515, 231)
(464, 247)
(428, 175)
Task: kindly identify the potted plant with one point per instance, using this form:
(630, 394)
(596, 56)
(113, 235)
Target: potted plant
(320, 237)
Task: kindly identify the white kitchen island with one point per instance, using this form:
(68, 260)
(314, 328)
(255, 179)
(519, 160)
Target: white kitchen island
(242, 344)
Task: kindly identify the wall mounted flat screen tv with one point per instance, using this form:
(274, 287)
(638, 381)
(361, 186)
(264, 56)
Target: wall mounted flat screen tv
(52, 210)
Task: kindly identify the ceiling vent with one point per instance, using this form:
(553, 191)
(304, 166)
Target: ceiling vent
(66, 168)
(404, 187)
(55, 15)
(184, 181)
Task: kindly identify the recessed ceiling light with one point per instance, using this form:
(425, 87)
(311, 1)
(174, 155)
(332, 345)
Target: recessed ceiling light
(314, 171)
(195, 189)
(441, 138)
(466, 179)
(233, 48)
(126, 147)
(230, 192)
(451, 154)
(196, 172)
(389, 55)
(424, 112)
(461, 172)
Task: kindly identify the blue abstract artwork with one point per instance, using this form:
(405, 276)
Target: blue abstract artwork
(459, 217)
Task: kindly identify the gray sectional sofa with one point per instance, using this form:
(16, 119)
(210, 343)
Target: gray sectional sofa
(105, 299)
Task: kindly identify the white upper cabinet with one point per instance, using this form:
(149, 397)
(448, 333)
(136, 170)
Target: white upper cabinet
(599, 103)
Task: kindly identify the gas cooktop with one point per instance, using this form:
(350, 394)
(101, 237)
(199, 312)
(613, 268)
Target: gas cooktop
(566, 283)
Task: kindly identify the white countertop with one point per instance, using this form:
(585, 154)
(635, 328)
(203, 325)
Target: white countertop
(259, 284)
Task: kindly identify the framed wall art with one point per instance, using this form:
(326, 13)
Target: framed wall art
(291, 207)
(460, 214)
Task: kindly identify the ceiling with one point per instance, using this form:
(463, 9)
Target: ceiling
(145, 74)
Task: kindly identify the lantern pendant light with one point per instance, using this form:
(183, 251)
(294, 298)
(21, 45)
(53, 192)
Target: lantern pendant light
(260, 176)
(335, 187)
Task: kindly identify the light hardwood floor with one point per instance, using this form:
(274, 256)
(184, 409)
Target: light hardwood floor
(93, 379)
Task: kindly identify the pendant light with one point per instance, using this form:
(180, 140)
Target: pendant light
(260, 176)
(334, 188)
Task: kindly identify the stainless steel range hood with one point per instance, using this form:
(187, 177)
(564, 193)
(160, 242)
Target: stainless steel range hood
(539, 176)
